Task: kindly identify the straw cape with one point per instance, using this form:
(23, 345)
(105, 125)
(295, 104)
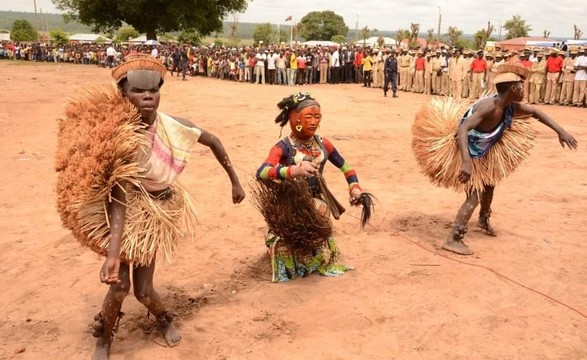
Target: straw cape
(436, 149)
(97, 145)
(292, 214)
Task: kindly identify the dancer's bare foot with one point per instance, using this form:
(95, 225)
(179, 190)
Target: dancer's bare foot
(486, 227)
(102, 351)
(170, 333)
(456, 246)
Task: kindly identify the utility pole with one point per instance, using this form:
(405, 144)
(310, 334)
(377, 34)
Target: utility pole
(37, 19)
(499, 22)
(438, 33)
(357, 29)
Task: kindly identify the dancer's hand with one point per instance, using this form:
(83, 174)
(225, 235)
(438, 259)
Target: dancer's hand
(109, 271)
(568, 139)
(355, 199)
(305, 168)
(466, 170)
(238, 194)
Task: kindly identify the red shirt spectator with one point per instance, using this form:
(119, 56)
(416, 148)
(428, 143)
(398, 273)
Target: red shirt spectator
(358, 58)
(420, 62)
(554, 64)
(479, 65)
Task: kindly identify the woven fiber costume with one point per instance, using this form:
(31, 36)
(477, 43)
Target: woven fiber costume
(102, 143)
(297, 210)
(495, 155)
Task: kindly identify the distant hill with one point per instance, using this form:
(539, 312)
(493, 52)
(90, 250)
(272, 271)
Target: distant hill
(55, 21)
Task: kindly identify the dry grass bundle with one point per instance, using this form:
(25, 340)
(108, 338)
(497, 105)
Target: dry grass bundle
(97, 144)
(291, 213)
(151, 226)
(436, 149)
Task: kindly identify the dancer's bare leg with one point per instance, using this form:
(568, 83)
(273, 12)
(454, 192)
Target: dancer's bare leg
(106, 321)
(485, 211)
(454, 240)
(144, 292)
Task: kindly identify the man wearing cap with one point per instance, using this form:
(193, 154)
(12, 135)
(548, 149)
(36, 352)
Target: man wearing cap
(480, 129)
(528, 65)
(567, 79)
(554, 65)
(404, 63)
(489, 85)
(538, 74)
(390, 68)
(419, 66)
(478, 75)
(580, 86)
(436, 73)
(456, 73)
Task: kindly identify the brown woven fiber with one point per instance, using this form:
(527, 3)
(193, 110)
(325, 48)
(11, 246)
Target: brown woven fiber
(97, 144)
(436, 150)
(138, 61)
(514, 68)
(301, 221)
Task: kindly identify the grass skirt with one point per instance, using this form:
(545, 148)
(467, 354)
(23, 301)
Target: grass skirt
(300, 238)
(436, 148)
(96, 149)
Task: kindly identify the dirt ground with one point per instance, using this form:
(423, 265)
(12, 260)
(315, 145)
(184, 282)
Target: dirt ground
(523, 295)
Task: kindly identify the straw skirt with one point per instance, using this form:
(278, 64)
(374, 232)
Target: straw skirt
(97, 144)
(436, 149)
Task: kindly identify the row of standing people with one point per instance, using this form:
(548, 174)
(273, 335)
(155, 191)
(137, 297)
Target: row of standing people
(556, 77)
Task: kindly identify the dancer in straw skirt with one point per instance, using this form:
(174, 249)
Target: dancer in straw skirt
(118, 159)
(492, 138)
(294, 199)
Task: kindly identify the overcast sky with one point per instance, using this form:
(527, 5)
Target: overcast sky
(556, 16)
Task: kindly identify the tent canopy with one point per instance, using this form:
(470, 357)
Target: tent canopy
(313, 43)
(88, 38)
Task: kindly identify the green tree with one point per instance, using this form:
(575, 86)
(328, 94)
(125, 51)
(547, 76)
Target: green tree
(401, 35)
(233, 38)
(482, 36)
(454, 37)
(58, 36)
(151, 16)
(577, 33)
(414, 31)
(166, 38)
(126, 33)
(263, 33)
(339, 39)
(429, 37)
(322, 25)
(516, 27)
(100, 40)
(22, 30)
(190, 37)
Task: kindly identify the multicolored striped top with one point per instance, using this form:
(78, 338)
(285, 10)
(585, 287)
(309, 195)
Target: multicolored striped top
(289, 151)
(170, 148)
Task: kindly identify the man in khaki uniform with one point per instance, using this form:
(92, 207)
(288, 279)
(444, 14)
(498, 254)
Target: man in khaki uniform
(489, 85)
(378, 68)
(580, 86)
(537, 77)
(436, 74)
(554, 66)
(456, 73)
(411, 71)
(404, 63)
(419, 69)
(568, 79)
(468, 57)
(444, 80)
